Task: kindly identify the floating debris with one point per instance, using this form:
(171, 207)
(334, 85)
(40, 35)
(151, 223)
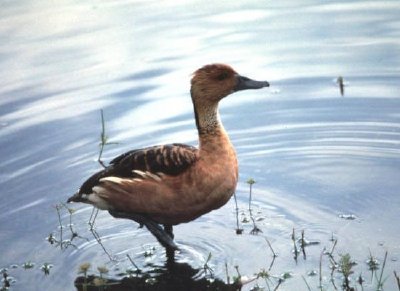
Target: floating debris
(286, 275)
(245, 220)
(46, 268)
(312, 273)
(151, 281)
(373, 263)
(306, 242)
(360, 280)
(347, 216)
(7, 281)
(28, 265)
(51, 239)
(255, 230)
(341, 84)
(149, 252)
(239, 230)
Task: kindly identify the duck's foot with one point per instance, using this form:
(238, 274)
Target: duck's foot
(163, 236)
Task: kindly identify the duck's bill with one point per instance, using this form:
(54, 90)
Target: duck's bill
(244, 83)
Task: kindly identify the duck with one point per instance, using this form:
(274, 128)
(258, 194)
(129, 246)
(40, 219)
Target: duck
(165, 185)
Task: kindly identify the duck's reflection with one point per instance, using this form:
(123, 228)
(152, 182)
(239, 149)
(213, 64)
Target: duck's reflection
(172, 276)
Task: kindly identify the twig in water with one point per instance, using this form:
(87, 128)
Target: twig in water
(332, 261)
(58, 207)
(303, 244)
(270, 246)
(98, 239)
(63, 244)
(227, 274)
(274, 255)
(397, 279)
(279, 284)
(305, 281)
(380, 282)
(255, 229)
(250, 181)
(320, 269)
(103, 140)
(330, 254)
(102, 144)
(74, 234)
(238, 229)
(207, 268)
(360, 281)
(373, 264)
(295, 251)
(138, 270)
(236, 279)
(332, 272)
(93, 216)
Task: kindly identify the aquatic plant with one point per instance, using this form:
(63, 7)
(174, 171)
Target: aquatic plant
(255, 229)
(103, 140)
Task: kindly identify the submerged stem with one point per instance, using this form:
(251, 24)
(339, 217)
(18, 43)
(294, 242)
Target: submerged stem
(238, 229)
(103, 139)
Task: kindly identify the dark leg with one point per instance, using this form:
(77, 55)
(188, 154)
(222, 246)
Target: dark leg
(170, 252)
(164, 237)
(169, 230)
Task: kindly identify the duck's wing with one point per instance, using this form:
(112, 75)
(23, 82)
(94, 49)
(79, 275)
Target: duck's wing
(172, 159)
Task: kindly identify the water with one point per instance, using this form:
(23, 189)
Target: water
(315, 155)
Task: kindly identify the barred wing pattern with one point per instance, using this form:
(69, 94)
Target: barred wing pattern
(171, 159)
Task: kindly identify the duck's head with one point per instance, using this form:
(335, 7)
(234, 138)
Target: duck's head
(216, 81)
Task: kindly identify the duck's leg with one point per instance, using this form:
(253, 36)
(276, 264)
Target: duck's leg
(169, 230)
(162, 235)
(170, 252)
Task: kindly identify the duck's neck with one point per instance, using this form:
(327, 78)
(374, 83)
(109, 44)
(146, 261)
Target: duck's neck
(207, 119)
(212, 133)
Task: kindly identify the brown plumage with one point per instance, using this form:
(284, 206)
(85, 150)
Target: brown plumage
(176, 183)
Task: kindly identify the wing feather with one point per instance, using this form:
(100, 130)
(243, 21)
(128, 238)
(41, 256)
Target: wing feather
(171, 159)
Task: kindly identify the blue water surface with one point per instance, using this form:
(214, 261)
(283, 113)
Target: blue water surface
(318, 158)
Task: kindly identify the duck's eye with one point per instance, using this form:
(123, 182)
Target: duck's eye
(222, 76)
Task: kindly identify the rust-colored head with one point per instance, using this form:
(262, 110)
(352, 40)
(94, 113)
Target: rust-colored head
(217, 81)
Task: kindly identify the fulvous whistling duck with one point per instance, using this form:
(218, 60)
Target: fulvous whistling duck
(175, 183)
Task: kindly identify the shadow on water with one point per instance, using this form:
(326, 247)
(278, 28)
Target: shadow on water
(173, 276)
